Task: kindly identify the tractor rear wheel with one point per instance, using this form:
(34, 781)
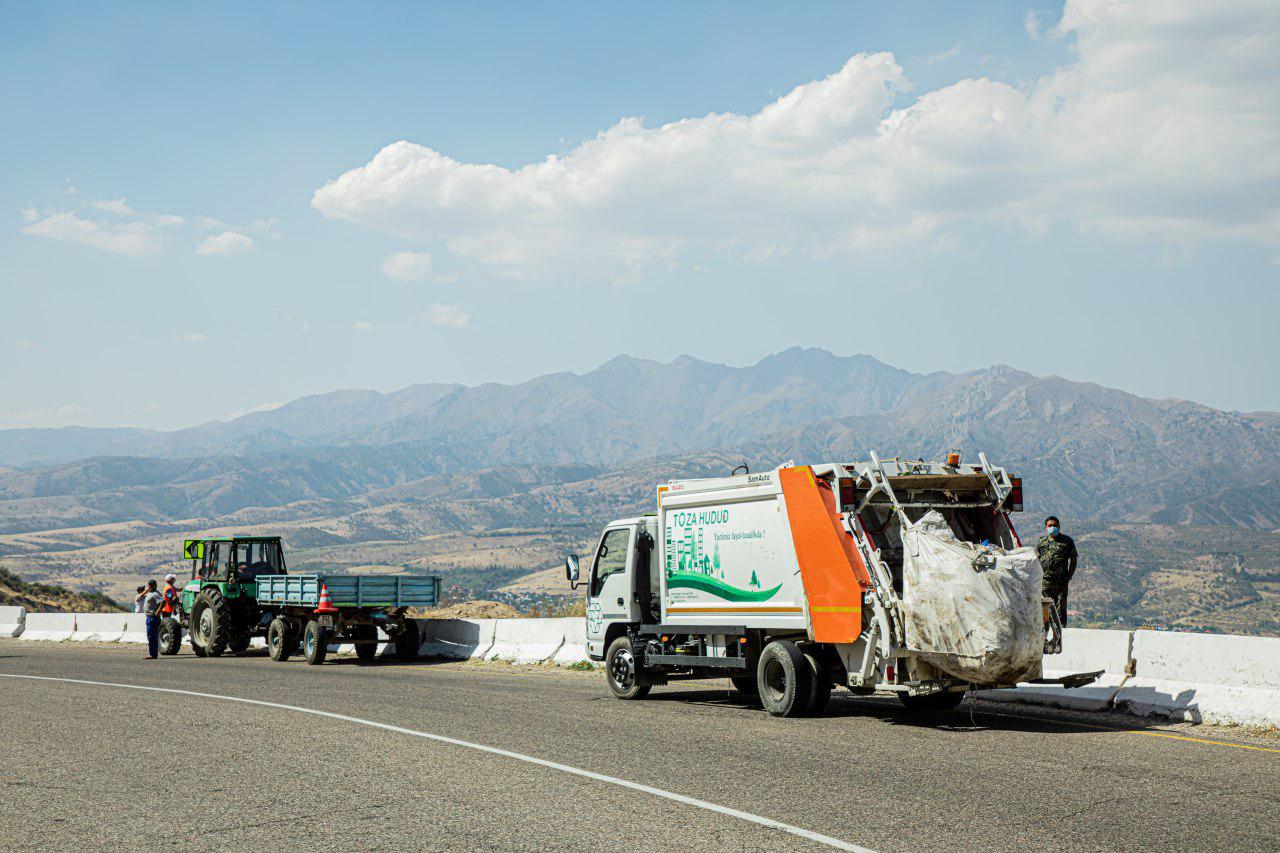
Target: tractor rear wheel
(366, 642)
(170, 636)
(315, 643)
(211, 622)
(280, 641)
(408, 641)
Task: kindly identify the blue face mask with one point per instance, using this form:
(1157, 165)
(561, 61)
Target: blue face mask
(1051, 530)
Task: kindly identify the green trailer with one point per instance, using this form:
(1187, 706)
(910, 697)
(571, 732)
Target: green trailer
(240, 588)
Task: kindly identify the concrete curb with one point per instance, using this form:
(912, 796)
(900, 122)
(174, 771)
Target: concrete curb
(459, 639)
(49, 626)
(100, 627)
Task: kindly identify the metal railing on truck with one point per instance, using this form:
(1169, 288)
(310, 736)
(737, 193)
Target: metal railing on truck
(350, 590)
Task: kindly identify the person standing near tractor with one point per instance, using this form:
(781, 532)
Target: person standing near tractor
(151, 604)
(1057, 554)
(171, 596)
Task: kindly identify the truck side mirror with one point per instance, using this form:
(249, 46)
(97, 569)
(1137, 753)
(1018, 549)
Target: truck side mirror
(571, 570)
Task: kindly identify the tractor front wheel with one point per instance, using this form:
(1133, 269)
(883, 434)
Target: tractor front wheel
(315, 643)
(211, 622)
(170, 636)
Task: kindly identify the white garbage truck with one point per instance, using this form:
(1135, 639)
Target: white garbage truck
(902, 576)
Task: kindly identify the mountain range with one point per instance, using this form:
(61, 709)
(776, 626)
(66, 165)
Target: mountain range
(558, 451)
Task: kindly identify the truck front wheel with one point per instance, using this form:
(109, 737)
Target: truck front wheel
(624, 674)
(315, 643)
(785, 679)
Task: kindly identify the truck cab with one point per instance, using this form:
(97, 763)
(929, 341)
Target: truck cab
(620, 583)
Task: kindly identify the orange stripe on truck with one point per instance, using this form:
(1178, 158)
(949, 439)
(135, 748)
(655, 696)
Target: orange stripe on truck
(830, 567)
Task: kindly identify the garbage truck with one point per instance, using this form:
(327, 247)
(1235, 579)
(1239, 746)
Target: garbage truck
(902, 576)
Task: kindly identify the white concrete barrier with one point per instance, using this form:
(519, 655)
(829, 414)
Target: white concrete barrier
(12, 621)
(99, 627)
(1215, 678)
(1083, 650)
(49, 626)
(574, 649)
(526, 640)
(456, 638)
(135, 628)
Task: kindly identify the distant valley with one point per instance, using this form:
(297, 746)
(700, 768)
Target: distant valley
(1176, 503)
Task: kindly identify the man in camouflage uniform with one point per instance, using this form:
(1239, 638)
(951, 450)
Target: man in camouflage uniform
(1057, 554)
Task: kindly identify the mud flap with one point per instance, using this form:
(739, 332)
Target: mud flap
(1079, 679)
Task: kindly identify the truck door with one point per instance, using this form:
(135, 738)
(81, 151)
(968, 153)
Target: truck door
(609, 599)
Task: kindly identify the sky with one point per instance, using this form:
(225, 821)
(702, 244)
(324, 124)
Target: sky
(217, 208)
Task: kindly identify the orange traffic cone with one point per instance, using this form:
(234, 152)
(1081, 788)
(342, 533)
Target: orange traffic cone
(326, 603)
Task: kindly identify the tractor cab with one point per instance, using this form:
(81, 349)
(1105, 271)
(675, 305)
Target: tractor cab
(219, 604)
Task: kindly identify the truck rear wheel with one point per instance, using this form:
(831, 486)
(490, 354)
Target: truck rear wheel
(367, 643)
(746, 685)
(315, 643)
(784, 679)
(820, 693)
(408, 642)
(170, 636)
(622, 671)
(280, 639)
(931, 703)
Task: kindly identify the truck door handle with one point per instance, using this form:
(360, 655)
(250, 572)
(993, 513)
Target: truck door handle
(620, 604)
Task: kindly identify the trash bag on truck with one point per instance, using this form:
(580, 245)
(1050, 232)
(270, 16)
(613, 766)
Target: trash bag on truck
(973, 611)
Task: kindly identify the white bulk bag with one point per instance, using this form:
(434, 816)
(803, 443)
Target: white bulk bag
(972, 611)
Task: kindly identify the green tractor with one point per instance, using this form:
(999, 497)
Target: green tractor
(219, 605)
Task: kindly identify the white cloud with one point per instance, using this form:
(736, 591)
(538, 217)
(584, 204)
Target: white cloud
(1165, 126)
(116, 206)
(1031, 23)
(168, 220)
(193, 338)
(446, 315)
(407, 266)
(363, 326)
(130, 238)
(226, 243)
(942, 56)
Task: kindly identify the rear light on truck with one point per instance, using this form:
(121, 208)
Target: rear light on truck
(888, 673)
(846, 492)
(1014, 502)
(953, 459)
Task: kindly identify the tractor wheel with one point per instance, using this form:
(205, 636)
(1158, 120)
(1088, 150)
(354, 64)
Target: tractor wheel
(932, 703)
(196, 648)
(408, 641)
(280, 639)
(211, 622)
(239, 644)
(366, 637)
(785, 680)
(315, 643)
(170, 636)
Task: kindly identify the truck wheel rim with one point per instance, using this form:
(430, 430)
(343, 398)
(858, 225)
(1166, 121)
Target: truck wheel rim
(775, 679)
(622, 669)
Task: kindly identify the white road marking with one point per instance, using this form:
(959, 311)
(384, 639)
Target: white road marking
(815, 837)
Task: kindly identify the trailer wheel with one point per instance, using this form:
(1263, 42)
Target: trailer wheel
(170, 637)
(625, 676)
(746, 685)
(239, 644)
(820, 694)
(315, 643)
(932, 703)
(280, 639)
(784, 679)
(408, 641)
(366, 637)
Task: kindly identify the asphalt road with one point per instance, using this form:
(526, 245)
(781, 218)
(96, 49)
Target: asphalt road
(95, 767)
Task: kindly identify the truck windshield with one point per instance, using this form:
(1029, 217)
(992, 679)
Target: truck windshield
(612, 557)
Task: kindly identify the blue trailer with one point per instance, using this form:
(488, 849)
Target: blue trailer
(319, 610)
